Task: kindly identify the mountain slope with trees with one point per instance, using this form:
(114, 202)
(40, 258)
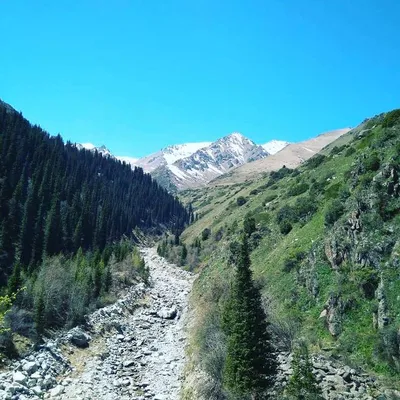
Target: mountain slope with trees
(324, 251)
(66, 216)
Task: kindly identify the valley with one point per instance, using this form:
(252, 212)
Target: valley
(135, 348)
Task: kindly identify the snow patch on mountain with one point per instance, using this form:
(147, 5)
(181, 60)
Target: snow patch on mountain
(176, 152)
(273, 146)
(132, 161)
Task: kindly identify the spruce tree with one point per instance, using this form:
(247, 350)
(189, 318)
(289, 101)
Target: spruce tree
(302, 383)
(250, 365)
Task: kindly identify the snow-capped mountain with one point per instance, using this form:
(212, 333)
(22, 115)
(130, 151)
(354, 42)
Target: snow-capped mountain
(169, 155)
(216, 159)
(192, 164)
(273, 146)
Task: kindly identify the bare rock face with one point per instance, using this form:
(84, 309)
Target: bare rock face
(335, 253)
(334, 310)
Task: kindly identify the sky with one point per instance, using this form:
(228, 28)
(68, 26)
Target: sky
(139, 75)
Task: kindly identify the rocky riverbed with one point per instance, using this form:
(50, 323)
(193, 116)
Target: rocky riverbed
(133, 349)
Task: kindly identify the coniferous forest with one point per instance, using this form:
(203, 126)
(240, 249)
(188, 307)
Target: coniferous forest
(58, 200)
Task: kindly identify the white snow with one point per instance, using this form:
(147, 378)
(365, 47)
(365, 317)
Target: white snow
(177, 172)
(88, 146)
(129, 160)
(179, 151)
(273, 146)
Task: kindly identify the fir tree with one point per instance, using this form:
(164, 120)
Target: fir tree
(250, 365)
(302, 384)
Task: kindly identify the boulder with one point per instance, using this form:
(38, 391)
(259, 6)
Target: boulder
(19, 377)
(30, 367)
(79, 338)
(168, 313)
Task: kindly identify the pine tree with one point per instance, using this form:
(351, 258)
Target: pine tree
(250, 365)
(53, 230)
(302, 384)
(15, 280)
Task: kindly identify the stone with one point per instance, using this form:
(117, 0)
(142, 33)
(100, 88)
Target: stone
(57, 391)
(79, 338)
(30, 367)
(166, 313)
(37, 390)
(19, 377)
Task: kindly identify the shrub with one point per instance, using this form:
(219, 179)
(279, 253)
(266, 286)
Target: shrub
(298, 189)
(293, 262)
(240, 201)
(219, 234)
(304, 208)
(285, 227)
(315, 161)
(254, 192)
(372, 163)
(334, 212)
(205, 234)
(269, 198)
(275, 176)
(249, 225)
(337, 149)
(350, 151)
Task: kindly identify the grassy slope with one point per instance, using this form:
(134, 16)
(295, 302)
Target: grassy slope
(288, 296)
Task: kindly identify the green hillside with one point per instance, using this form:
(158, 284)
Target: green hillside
(325, 250)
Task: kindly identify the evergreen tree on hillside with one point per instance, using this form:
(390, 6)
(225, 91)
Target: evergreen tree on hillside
(250, 365)
(55, 198)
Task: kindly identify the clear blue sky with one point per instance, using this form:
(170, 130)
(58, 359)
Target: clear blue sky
(139, 75)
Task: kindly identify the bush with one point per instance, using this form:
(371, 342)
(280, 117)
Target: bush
(337, 149)
(372, 163)
(293, 262)
(249, 225)
(240, 201)
(315, 161)
(298, 189)
(205, 234)
(304, 208)
(350, 151)
(333, 213)
(219, 234)
(285, 227)
(276, 176)
(269, 198)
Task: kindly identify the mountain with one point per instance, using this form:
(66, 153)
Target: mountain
(273, 146)
(191, 165)
(291, 155)
(169, 155)
(219, 157)
(325, 251)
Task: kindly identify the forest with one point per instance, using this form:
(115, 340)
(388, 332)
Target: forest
(59, 201)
